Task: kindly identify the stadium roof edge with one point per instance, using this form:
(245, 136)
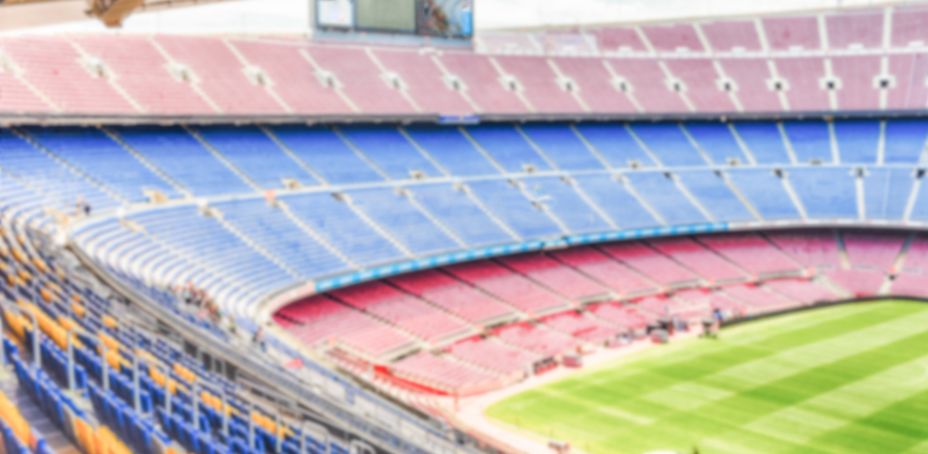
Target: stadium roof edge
(7, 120)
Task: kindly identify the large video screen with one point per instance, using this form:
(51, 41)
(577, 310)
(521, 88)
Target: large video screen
(386, 15)
(451, 19)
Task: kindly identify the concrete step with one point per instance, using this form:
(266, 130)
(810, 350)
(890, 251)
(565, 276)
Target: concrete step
(40, 423)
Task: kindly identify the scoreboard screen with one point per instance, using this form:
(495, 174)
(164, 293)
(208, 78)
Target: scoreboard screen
(386, 15)
(451, 19)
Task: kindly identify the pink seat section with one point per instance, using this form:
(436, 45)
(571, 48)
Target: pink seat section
(648, 84)
(581, 326)
(785, 33)
(872, 251)
(907, 69)
(618, 277)
(544, 341)
(858, 283)
(751, 252)
(909, 25)
(424, 81)
(624, 316)
(731, 35)
(694, 256)
(182, 75)
(909, 284)
(360, 79)
(695, 299)
(444, 374)
(858, 75)
(804, 76)
(322, 321)
(18, 98)
(916, 258)
(595, 83)
(802, 290)
(403, 310)
(855, 29)
(539, 84)
(757, 299)
(494, 355)
(220, 73)
(673, 37)
(644, 259)
(702, 84)
(685, 306)
(293, 77)
(145, 74)
(483, 83)
(510, 287)
(555, 275)
(453, 295)
(811, 249)
(617, 39)
(750, 76)
(53, 66)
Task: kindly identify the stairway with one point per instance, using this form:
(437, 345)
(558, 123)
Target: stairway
(38, 421)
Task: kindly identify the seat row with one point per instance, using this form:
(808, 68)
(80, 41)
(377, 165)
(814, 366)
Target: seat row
(183, 75)
(124, 375)
(679, 279)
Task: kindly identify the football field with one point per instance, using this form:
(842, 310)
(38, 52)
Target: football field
(844, 379)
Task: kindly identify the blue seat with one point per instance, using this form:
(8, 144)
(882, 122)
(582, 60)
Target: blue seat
(562, 145)
(180, 156)
(668, 143)
(662, 194)
(507, 147)
(826, 193)
(765, 192)
(716, 197)
(457, 211)
(402, 219)
(513, 208)
(451, 149)
(716, 140)
(389, 150)
(764, 141)
(810, 140)
(326, 153)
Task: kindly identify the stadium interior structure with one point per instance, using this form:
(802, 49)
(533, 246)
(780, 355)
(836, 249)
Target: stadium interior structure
(386, 231)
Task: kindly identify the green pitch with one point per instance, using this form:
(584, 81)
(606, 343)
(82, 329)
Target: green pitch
(846, 379)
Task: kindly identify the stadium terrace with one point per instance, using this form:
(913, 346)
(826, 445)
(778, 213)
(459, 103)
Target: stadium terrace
(240, 244)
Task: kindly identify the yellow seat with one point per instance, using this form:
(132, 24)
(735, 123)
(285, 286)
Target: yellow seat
(46, 295)
(40, 265)
(19, 256)
(20, 427)
(185, 374)
(110, 322)
(77, 308)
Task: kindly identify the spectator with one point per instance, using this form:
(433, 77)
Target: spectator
(83, 208)
(258, 338)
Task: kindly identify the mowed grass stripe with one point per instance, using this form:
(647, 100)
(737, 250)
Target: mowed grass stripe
(664, 390)
(819, 360)
(773, 331)
(894, 428)
(839, 345)
(750, 405)
(650, 375)
(628, 389)
(831, 410)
